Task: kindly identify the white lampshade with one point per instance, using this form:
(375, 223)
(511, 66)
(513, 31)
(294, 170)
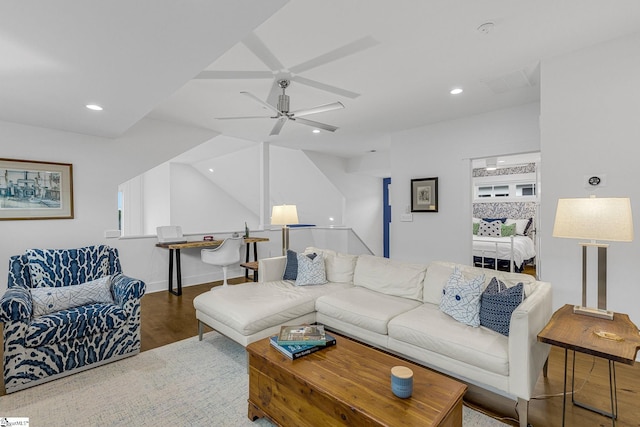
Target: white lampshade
(594, 219)
(284, 215)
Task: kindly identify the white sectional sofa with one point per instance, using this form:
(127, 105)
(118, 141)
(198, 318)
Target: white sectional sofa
(394, 306)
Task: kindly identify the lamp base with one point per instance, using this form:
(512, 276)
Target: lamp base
(593, 312)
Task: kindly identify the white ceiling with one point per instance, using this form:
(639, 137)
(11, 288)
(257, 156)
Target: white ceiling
(140, 58)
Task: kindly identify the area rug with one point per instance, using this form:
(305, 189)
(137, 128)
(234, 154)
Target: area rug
(187, 383)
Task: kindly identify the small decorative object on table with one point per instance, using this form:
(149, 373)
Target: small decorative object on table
(402, 381)
(246, 229)
(302, 334)
(295, 351)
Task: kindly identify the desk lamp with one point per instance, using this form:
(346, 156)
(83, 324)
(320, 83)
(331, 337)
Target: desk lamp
(594, 219)
(284, 215)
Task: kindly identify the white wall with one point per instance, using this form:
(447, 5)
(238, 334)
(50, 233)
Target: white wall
(589, 125)
(157, 200)
(99, 165)
(199, 205)
(444, 150)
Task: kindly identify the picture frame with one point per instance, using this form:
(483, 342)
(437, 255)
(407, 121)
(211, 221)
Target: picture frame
(424, 195)
(31, 189)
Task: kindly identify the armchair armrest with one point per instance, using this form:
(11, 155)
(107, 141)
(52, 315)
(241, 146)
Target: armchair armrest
(15, 304)
(526, 354)
(271, 269)
(126, 288)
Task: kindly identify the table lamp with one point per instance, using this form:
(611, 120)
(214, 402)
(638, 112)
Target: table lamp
(284, 215)
(594, 219)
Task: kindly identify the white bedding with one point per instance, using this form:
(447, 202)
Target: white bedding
(523, 248)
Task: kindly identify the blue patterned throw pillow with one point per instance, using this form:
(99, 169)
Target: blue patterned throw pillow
(461, 298)
(52, 299)
(311, 271)
(498, 303)
(291, 267)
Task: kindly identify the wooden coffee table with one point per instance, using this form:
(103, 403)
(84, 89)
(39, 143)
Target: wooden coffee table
(348, 383)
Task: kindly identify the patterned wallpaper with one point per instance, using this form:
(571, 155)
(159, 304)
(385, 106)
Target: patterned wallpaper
(514, 170)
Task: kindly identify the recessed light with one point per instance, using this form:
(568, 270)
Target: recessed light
(316, 131)
(211, 170)
(455, 91)
(94, 107)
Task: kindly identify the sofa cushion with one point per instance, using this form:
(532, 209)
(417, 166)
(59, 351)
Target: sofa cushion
(390, 277)
(364, 308)
(310, 270)
(340, 267)
(461, 298)
(429, 328)
(64, 267)
(50, 299)
(249, 308)
(497, 303)
(74, 323)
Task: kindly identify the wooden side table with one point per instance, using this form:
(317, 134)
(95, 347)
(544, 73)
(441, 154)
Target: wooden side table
(616, 340)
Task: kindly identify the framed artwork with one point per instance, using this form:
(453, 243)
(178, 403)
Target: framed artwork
(424, 195)
(31, 189)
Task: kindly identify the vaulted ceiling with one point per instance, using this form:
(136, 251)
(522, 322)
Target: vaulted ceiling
(391, 64)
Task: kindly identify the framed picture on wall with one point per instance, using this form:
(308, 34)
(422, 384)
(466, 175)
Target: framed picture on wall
(31, 189)
(424, 195)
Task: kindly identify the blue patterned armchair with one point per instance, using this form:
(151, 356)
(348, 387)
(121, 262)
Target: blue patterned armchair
(67, 310)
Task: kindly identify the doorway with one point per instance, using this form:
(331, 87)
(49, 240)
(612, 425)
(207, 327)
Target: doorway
(505, 190)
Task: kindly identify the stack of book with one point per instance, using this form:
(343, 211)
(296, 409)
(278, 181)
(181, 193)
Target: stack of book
(297, 341)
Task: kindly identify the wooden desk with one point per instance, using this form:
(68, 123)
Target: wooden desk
(577, 332)
(176, 247)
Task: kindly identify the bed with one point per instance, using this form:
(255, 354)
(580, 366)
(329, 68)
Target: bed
(498, 250)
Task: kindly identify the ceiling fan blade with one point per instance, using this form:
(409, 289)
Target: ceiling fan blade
(261, 102)
(275, 91)
(319, 125)
(325, 87)
(243, 117)
(278, 126)
(213, 74)
(318, 109)
(334, 55)
(261, 50)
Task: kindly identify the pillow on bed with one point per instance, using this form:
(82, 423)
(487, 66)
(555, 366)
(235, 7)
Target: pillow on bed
(522, 225)
(476, 227)
(508, 230)
(490, 229)
(494, 219)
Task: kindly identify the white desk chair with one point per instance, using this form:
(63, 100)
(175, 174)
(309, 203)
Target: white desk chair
(224, 255)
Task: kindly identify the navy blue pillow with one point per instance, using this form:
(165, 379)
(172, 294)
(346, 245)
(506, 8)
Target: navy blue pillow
(497, 303)
(528, 226)
(502, 220)
(291, 267)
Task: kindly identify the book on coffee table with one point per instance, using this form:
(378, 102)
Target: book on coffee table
(302, 334)
(295, 351)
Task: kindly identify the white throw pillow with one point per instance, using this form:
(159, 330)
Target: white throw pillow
(340, 267)
(310, 271)
(461, 298)
(48, 300)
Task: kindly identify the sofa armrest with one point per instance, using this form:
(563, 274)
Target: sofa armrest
(15, 304)
(526, 355)
(126, 289)
(271, 269)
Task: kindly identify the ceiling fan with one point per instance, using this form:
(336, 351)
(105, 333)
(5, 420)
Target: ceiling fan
(282, 113)
(278, 72)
